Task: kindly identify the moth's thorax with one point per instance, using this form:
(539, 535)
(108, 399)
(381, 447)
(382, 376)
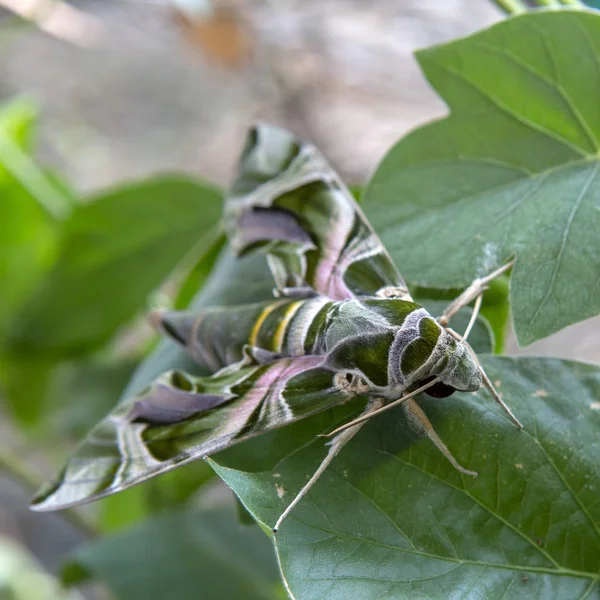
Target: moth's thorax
(360, 319)
(393, 344)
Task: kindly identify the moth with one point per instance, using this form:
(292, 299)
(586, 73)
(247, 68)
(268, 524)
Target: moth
(341, 324)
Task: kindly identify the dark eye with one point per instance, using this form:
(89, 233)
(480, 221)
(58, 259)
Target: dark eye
(439, 390)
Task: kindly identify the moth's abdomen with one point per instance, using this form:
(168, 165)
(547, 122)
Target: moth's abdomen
(215, 337)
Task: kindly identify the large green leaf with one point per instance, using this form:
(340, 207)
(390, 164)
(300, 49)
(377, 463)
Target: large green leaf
(159, 495)
(392, 519)
(17, 164)
(185, 556)
(116, 250)
(83, 392)
(28, 239)
(513, 171)
(27, 231)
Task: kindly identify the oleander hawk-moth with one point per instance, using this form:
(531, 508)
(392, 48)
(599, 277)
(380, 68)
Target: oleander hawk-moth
(342, 323)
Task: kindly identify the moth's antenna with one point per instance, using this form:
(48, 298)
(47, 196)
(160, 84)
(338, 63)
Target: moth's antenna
(486, 380)
(474, 315)
(334, 447)
(367, 416)
(475, 289)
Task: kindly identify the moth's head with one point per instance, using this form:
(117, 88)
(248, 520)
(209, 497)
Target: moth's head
(460, 373)
(451, 361)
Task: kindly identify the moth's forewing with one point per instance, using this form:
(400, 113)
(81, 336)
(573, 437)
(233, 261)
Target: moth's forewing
(180, 418)
(288, 201)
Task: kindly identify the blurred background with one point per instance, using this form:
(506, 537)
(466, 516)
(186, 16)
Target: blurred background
(98, 93)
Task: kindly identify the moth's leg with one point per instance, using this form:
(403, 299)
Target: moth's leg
(366, 416)
(471, 293)
(335, 445)
(419, 422)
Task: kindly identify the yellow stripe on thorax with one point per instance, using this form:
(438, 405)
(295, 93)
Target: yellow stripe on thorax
(287, 317)
(261, 319)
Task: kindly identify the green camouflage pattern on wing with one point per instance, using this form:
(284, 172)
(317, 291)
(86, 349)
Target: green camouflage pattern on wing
(180, 418)
(288, 201)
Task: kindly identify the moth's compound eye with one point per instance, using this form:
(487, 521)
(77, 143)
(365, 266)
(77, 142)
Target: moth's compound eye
(349, 377)
(439, 390)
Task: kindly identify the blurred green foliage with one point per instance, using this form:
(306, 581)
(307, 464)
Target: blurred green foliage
(77, 274)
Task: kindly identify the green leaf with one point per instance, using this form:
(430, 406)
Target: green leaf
(25, 384)
(123, 510)
(177, 487)
(199, 273)
(83, 392)
(27, 243)
(27, 232)
(116, 250)
(513, 171)
(161, 494)
(189, 555)
(16, 163)
(391, 518)
(495, 309)
(28, 237)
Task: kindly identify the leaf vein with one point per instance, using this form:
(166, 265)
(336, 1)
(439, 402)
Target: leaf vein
(519, 118)
(555, 84)
(477, 563)
(562, 478)
(565, 237)
(475, 500)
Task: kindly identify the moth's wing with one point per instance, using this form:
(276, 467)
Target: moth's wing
(289, 202)
(180, 418)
